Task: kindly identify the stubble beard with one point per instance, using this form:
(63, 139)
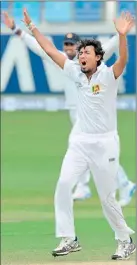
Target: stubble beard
(85, 71)
(71, 57)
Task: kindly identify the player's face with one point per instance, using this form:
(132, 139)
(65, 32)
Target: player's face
(88, 59)
(70, 50)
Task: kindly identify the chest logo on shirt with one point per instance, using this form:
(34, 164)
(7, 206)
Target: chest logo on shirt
(95, 89)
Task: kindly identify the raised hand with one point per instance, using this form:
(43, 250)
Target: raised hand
(26, 18)
(8, 21)
(124, 23)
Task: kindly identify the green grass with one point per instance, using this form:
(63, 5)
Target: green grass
(33, 146)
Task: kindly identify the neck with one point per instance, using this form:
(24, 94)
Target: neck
(90, 73)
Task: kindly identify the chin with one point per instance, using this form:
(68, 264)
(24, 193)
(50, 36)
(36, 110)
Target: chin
(71, 57)
(84, 70)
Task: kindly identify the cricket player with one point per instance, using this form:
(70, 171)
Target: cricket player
(82, 191)
(94, 140)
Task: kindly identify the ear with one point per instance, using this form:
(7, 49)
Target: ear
(98, 57)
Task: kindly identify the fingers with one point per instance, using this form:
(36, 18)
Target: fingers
(132, 24)
(130, 20)
(5, 14)
(127, 16)
(123, 15)
(25, 12)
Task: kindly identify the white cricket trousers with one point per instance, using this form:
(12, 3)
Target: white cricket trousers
(100, 153)
(86, 176)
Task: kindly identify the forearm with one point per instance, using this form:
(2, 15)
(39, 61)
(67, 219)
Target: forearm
(45, 44)
(48, 47)
(120, 64)
(123, 49)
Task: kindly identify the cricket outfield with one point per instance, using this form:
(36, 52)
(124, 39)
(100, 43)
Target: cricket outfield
(33, 146)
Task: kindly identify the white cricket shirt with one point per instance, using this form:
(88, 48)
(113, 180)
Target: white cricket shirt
(96, 105)
(69, 86)
(52, 70)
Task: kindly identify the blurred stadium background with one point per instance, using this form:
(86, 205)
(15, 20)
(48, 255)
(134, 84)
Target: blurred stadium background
(35, 129)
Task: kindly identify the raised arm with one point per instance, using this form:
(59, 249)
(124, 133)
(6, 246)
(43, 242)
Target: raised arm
(123, 25)
(29, 40)
(46, 44)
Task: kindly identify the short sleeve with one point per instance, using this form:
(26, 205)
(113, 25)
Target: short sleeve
(72, 70)
(111, 77)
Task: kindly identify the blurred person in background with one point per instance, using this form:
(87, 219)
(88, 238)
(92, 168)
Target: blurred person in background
(82, 190)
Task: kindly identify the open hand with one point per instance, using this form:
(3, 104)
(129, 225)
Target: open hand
(124, 23)
(26, 18)
(8, 21)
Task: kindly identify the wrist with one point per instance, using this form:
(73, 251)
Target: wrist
(31, 26)
(122, 35)
(13, 27)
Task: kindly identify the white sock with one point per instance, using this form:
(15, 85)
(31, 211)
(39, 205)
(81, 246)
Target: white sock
(70, 238)
(122, 178)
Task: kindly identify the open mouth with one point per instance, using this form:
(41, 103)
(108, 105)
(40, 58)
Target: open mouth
(83, 63)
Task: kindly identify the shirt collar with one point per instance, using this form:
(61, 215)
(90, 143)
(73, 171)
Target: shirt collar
(100, 67)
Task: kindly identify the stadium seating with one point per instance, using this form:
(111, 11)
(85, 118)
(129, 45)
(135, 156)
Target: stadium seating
(5, 5)
(33, 8)
(127, 5)
(89, 11)
(58, 11)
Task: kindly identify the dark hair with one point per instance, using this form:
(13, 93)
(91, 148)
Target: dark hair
(97, 47)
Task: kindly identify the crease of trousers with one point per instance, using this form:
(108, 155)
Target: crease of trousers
(100, 153)
(85, 178)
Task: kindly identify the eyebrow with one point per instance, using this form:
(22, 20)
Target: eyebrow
(85, 51)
